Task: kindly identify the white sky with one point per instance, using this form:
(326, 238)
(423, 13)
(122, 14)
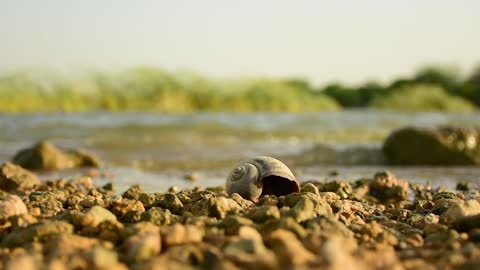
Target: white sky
(351, 41)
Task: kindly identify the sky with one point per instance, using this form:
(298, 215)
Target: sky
(322, 41)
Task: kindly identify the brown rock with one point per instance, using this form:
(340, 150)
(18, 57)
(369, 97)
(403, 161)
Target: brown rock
(77, 252)
(36, 232)
(121, 208)
(232, 224)
(386, 187)
(215, 207)
(179, 234)
(303, 210)
(14, 178)
(143, 245)
(46, 156)
(12, 205)
(460, 210)
(23, 262)
(329, 197)
(320, 206)
(288, 249)
(263, 213)
(337, 252)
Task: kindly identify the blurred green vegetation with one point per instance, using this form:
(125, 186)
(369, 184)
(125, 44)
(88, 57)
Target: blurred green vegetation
(422, 98)
(150, 89)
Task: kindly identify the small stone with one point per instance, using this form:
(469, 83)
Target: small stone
(253, 246)
(303, 210)
(372, 229)
(321, 207)
(287, 223)
(215, 207)
(388, 188)
(337, 252)
(329, 197)
(416, 220)
(179, 234)
(184, 198)
(148, 200)
(248, 232)
(245, 204)
(45, 201)
(83, 184)
(157, 216)
(143, 245)
(328, 225)
(97, 215)
(173, 189)
(431, 218)
(268, 200)
(122, 207)
(79, 252)
(263, 213)
(133, 193)
(11, 205)
(309, 187)
(232, 224)
(171, 202)
(342, 189)
(288, 249)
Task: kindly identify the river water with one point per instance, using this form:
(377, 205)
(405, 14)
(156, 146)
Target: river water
(158, 150)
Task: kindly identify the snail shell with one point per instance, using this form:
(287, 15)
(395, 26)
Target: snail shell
(261, 176)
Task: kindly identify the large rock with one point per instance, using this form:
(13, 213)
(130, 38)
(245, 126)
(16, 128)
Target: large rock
(433, 146)
(15, 178)
(46, 156)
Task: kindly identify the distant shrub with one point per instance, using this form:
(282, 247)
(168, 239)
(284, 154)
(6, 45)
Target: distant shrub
(354, 97)
(422, 98)
(470, 88)
(147, 89)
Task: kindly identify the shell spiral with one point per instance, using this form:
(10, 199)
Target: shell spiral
(261, 176)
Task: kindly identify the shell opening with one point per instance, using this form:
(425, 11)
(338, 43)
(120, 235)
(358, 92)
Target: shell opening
(278, 186)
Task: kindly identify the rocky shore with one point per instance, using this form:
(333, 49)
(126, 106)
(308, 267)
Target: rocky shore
(378, 223)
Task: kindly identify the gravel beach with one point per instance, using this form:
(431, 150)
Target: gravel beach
(377, 223)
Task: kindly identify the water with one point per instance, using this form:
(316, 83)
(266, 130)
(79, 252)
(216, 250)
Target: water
(157, 150)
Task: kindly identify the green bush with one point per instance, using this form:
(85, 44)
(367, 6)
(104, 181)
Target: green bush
(147, 89)
(422, 98)
(354, 97)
